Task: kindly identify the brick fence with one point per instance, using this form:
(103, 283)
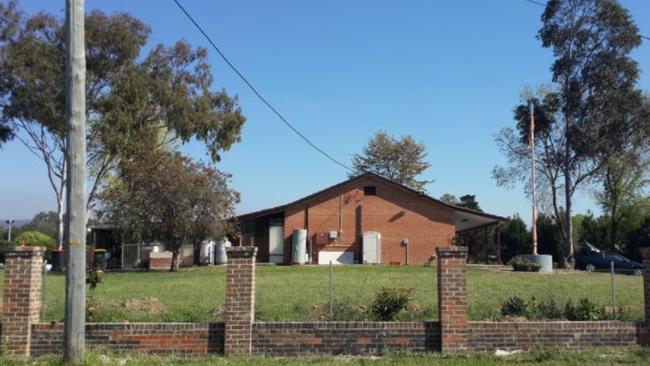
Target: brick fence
(22, 332)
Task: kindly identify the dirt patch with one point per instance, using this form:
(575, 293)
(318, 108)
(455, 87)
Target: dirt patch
(146, 305)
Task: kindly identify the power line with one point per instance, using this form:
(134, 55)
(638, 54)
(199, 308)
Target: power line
(543, 4)
(254, 90)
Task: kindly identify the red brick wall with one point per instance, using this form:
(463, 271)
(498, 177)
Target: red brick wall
(489, 336)
(21, 300)
(154, 338)
(394, 212)
(291, 338)
(160, 263)
(357, 338)
(240, 300)
(452, 298)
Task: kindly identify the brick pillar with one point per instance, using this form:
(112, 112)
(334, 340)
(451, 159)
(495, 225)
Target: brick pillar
(452, 298)
(21, 301)
(240, 300)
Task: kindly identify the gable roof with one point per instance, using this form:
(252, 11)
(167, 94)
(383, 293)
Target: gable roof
(463, 212)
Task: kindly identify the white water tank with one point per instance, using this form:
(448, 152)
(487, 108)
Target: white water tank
(371, 247)
(299, 247)
(207, 252)
(221, 257)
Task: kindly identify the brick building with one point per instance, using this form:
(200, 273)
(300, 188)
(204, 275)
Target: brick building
(410, 223)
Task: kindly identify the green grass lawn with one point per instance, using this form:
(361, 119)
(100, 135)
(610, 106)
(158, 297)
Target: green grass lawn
(631, 356)
(288, 293)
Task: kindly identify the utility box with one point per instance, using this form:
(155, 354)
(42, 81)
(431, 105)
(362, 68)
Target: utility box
(371, 247)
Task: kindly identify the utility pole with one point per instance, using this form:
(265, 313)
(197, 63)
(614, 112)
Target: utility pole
(75, 223)
(532, 175)
(10, 222)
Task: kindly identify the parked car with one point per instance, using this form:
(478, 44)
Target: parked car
(593, 259)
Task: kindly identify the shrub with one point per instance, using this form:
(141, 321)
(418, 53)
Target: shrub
(546, 309)
(36, 239)
(521, 265)
(514, 306)
(583, 310)
(388, 302)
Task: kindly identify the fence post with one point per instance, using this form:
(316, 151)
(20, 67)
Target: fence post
(645, 254)
(240, 301)
(452, 298)
(22, 297)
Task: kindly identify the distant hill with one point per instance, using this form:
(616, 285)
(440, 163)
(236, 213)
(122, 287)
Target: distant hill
(17, 223)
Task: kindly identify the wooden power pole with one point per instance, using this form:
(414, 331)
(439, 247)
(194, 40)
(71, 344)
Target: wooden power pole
(533, 228)
(75, 225)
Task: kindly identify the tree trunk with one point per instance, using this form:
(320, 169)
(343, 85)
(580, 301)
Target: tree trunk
(175, 261)
(60, 217)
(568, 227)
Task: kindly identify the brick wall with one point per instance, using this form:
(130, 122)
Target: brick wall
(452, 298)
(240, 300)
(153, 338)
(489, 336)
(22, 298)
(394, 212)
(357, 338)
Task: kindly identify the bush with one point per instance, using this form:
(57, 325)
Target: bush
(521, 265)
(36, 239)
(583, 310)
(547, 309)
(388, 302)
(514, 306)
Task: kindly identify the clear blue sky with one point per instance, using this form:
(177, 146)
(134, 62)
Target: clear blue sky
(446, 72)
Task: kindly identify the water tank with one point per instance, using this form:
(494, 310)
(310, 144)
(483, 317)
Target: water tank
(221, 257)
(299, 248)
(207, 252)
(371, 247)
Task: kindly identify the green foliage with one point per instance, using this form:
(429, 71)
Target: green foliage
(549, 309)
(45, 222)
(171, 198)
(36, 239)
(389, 302)
(549, 238)
(515, 238)
(514, 306)
(583, 310)
(400, 160)
(546, 309)
(469, 201)
(522, 265)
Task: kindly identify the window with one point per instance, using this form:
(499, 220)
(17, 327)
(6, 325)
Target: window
(370, 190)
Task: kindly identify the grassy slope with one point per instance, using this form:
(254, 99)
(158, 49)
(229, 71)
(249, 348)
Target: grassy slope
(284, 293)
(633, 356)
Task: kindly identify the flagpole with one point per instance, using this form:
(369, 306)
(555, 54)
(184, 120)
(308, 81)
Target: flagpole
(532, 180)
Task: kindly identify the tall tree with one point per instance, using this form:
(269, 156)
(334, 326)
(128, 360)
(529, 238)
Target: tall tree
(591, 41)
(469, 201)
(163, 195)
(595, 80)
(400, 160)
(166, 92)
(624, 179)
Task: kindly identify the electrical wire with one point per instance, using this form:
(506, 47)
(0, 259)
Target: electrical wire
(543, 4)
(255, 91)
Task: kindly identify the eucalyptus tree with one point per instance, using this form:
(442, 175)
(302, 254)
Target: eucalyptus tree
(594, 93)
(167, 91)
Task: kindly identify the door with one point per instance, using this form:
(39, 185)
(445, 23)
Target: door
(276, 241)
